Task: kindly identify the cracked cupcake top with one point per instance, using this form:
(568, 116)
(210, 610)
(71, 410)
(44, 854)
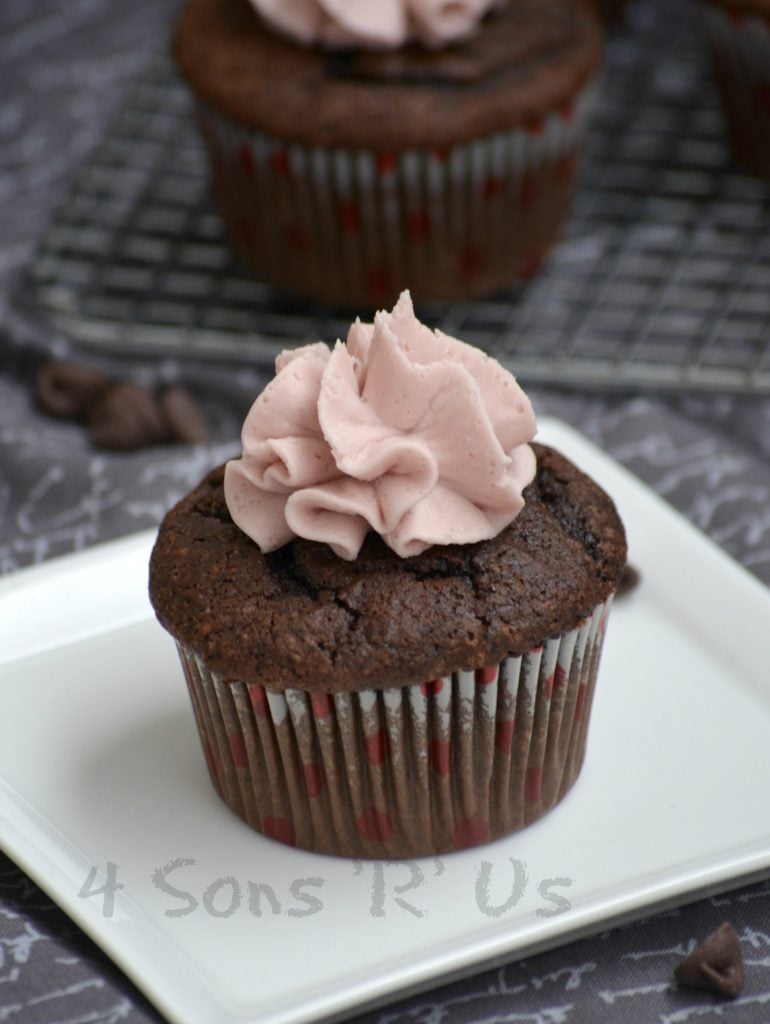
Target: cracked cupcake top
(302, 616)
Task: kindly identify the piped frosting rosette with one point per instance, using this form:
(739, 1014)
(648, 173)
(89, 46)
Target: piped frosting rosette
(375, 24)
(402, 430)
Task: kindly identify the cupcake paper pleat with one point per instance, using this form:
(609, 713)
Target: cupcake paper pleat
(357, 226)
(740, 45)
(403, 772)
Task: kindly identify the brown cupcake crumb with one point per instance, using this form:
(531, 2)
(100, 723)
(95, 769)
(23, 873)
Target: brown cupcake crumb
(715, 964)
(628, 581)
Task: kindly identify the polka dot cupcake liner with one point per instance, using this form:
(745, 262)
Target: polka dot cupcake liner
(355, 227)
(409, 771)
(740, 47)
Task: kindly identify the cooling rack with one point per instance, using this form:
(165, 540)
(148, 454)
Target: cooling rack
(662, 279)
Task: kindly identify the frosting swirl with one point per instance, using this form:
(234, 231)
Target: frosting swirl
(374, 24)
(402, 430)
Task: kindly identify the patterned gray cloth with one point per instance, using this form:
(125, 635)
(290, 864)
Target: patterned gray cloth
(64, 69)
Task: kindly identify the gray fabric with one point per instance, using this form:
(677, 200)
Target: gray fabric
(64, 69)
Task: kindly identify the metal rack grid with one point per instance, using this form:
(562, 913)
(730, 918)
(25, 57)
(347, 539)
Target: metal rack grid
(662, 279)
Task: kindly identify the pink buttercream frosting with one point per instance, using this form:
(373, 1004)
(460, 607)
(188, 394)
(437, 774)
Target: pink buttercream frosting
(376, 24)
(402, 430)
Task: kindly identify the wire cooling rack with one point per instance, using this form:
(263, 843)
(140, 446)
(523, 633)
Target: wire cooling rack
(662, 280)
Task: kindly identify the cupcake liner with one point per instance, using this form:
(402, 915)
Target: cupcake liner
(740, 46)
(406, 771)
(355, 227)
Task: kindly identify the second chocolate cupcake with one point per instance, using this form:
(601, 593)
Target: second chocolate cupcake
(405, 145)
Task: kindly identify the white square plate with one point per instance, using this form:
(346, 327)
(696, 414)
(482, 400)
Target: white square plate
(105, 801)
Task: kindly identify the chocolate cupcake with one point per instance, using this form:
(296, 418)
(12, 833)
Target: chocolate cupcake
(390, 610)
(431, 149)
(739, 37)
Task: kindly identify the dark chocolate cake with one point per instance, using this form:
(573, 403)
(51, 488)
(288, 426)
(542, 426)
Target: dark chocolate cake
(301, 616)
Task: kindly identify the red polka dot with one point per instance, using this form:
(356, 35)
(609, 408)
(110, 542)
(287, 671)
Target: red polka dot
(322, 704)
(258, 698)
(533, 783)
(418, 225)
(314, 778)
(527, 192)
(554, 681)
(471, 261)
(504, 735)
(493, 186)
(434, 687)
(536, 125)
(471, 832)
(440, 756)
(374, 826)
(442, 153)
(377, 747)
(246, 159)
(486, 675)
(238, 750)
(296, 237)
(281, 829)
(279, 162)
(387, 162)
(567, 110)
(350, 219)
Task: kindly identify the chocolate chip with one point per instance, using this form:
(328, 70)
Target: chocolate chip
(715, 964)
(185, 419)
(119, 415)
(126, 417)
(69, 390)
(629, 580)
